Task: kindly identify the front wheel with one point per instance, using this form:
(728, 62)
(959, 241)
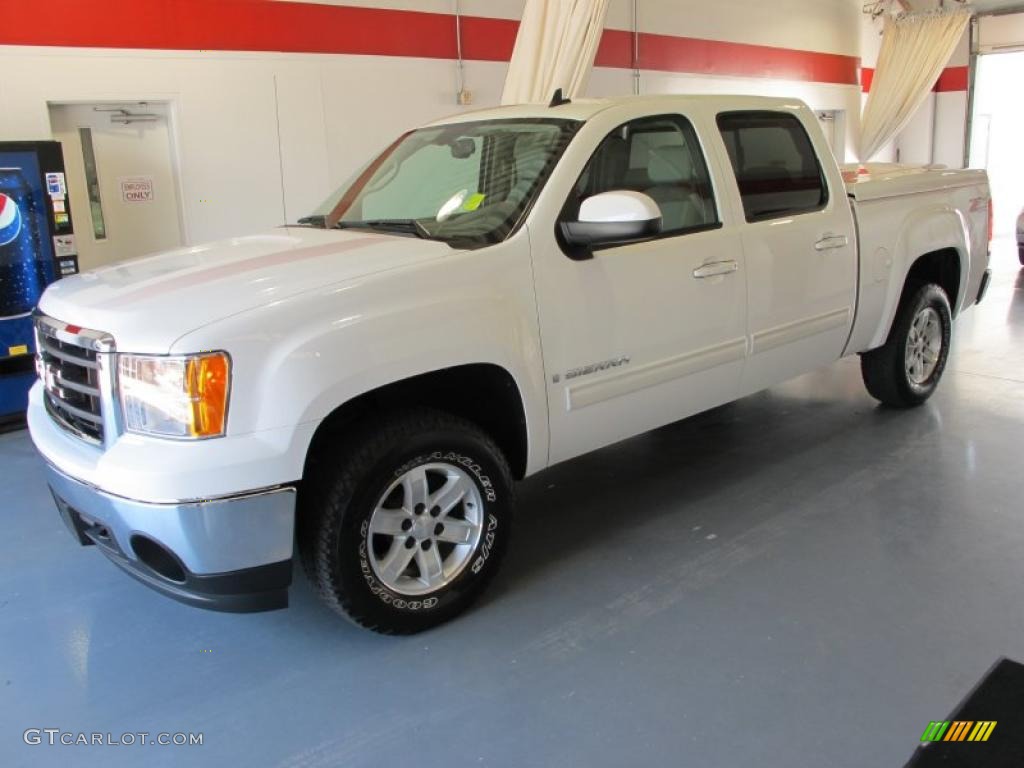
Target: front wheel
(906, 370)
(403, 523)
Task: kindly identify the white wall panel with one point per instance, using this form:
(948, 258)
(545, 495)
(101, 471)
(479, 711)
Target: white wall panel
(915, 141)
(950, 128)
(370, 100)
(831, 26)
(302, 125)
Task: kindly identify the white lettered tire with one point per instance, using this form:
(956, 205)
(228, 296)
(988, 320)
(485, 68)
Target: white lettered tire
(405, 519)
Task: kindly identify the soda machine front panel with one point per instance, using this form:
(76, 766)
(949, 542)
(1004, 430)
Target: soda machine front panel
(26, 255)
(37, 246)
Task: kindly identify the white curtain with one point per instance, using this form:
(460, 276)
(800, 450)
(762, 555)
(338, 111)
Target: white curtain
(555, 48)
(915, 49)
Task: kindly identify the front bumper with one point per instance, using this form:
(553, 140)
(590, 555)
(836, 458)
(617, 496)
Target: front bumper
(227, 554)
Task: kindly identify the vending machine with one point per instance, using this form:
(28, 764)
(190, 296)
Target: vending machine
(37, 246)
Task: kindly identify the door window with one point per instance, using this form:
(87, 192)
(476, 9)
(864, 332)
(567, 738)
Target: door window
(776, 167)
(92, 185)
(661, 157)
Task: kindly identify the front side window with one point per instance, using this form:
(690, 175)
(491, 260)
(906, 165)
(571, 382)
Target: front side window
(466, 183)
(661, 157)
(776, 167)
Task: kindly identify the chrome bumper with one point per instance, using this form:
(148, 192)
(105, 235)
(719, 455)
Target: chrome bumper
(228, 554)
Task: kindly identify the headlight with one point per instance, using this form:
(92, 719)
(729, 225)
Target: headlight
(180, 396)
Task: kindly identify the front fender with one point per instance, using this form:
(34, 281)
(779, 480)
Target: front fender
(298, 359)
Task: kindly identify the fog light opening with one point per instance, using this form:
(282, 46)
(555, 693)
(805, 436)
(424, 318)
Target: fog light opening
(158, 558)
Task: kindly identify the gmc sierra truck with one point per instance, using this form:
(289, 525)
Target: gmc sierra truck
(493, 294)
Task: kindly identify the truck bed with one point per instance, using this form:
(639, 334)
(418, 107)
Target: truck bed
(876, 181)
(903, 212)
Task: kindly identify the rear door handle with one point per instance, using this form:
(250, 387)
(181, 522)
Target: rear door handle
(715, 268)
(830, 242)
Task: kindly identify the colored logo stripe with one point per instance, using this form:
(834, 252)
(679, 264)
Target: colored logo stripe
(982, 730)
(958, 730)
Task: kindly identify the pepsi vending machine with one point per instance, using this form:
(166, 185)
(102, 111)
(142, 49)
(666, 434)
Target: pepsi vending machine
(37, 246)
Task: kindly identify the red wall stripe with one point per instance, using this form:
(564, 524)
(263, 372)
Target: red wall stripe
(717, 57)
(867, 76)
(266, 25)
(232, 25)
(951, 79)
(485, 39)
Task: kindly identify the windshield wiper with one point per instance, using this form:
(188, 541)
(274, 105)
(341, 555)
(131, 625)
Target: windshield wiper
(404, 226)
(315, 221)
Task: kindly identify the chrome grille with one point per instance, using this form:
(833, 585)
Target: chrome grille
(70, 363)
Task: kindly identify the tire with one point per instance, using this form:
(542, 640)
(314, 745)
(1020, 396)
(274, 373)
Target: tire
(1020, 253)
(363, 512)
(923, 317)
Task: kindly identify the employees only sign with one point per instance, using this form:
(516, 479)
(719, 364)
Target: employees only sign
(137, 189)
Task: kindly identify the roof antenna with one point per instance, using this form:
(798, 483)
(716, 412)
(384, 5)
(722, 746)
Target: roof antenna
(558, 99)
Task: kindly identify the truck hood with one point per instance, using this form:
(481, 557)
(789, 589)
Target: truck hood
(148, 303)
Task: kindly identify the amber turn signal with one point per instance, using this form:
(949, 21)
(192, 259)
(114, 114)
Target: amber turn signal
(208, 381)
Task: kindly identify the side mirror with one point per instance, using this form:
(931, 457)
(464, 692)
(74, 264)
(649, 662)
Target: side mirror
(613, 217)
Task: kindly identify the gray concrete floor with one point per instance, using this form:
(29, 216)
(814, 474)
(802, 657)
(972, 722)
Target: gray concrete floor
(798, 579)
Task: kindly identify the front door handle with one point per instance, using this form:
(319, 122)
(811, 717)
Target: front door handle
(715, 268)
(830, 242)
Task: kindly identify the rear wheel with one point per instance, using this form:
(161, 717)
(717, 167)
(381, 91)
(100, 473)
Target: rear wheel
(906, 370)
(403, 524)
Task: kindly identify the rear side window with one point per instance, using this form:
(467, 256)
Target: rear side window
(775, 164)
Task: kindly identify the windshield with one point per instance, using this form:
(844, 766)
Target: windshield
(467, 183)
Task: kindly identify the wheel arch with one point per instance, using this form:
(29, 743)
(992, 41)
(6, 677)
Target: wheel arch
(485, 393)
(944, 267)
(933, 246)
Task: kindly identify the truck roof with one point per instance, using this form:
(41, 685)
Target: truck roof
(584, 109)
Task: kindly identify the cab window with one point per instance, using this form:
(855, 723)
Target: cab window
(661, 157)
(776, 167)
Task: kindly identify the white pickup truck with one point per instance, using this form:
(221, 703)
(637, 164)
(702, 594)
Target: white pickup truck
(491, 295)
